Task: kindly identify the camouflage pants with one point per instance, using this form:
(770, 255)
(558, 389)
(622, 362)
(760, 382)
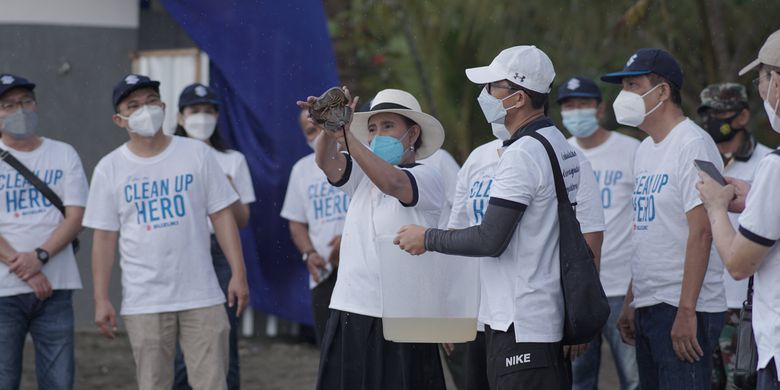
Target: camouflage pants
(723, 357)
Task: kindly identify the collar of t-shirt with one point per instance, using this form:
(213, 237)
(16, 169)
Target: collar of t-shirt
(530, 127)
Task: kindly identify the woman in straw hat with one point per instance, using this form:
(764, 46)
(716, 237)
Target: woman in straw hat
(388, 189)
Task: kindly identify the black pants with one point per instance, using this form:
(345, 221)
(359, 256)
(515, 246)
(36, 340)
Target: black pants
(356, 356)
(476, 364)
(320, 300)
(513, 365)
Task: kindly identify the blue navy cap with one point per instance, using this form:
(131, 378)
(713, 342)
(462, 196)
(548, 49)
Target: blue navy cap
(578, 87)
(130, 83)
(646, 61)
(9, 81)
(197, 94)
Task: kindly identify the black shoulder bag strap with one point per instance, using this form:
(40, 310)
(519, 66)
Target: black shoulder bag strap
(38, 184)
(586, 308)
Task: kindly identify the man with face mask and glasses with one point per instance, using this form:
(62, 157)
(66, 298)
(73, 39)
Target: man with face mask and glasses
(472, 195)
(676, 292)
(152, 195)
(612, 157)
(725, 114)
(517, 239)
(38, 271)
(752, 250)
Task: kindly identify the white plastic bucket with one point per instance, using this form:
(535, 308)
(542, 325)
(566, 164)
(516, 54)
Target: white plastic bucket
(431, 298)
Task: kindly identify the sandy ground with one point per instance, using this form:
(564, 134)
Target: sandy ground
(268, 364)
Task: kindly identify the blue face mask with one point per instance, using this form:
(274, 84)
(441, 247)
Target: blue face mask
(580, 122)
(389, 148)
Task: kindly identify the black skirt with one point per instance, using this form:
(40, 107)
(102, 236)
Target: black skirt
(356, 356)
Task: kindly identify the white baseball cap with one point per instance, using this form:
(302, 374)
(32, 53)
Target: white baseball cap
(769, 53)
(405, 104)
(524, 65)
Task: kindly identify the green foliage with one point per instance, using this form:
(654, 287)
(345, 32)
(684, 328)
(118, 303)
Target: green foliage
(423, 46)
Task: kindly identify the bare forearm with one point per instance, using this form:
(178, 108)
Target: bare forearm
(594, 240)
(697, 255)
(240, 213)
(299, 232)
(7, 252)
(227, 236)
(66, 231)
(103, 250)
(328, 157)
(723, 234)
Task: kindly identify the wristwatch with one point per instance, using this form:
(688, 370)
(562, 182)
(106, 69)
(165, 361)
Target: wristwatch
(307, 254)
(42, 255)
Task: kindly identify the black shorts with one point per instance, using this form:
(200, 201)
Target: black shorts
(513, 365)
(355, 356)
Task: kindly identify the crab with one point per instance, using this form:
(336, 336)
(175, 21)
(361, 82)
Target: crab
(331, 110)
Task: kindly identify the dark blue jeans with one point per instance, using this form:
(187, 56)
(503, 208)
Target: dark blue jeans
(222, 268)
(659, 367)
(50, 322)
(585, 369)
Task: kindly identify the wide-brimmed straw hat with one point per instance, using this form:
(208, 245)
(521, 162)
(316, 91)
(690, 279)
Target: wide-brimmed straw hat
(404, 104)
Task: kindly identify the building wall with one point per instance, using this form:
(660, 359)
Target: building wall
(75, 64)
(75, 51)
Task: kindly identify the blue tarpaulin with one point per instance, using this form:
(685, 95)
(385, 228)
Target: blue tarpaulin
(264, 56)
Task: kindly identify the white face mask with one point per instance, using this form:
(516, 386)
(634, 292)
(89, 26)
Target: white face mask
(493, 107)
(145, 121)
(630, 107)
(774, 119)
(500, 131)
(200, 125)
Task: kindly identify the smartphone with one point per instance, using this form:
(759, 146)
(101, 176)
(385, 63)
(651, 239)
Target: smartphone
(710, 169)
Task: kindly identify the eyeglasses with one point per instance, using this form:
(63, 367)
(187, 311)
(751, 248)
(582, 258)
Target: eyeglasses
(10, 106)
(757, 80)
(490, 86)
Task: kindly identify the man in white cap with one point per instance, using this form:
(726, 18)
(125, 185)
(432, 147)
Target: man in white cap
(388, 189)
(752, 248)
(522, 302)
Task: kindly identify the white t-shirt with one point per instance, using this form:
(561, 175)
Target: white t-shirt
(613, 167)
(472, 194)
(28, 219)
(159, 205)
(371, 214)
(310, 199)
(234, 164)
(664, 191)
(736, 291)
(448, 169)
(475, 179)
(760, 223)
(522, 286)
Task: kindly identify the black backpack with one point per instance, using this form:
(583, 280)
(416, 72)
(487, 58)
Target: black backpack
(586, 308)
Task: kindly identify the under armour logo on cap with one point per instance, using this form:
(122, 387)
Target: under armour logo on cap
(573, 84)
(517, 76)
(7, 79)
(631, 60)
(131, 79)
(201, 91)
